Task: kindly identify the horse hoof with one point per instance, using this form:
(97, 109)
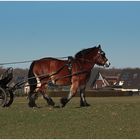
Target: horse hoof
(31, 105)
(84, 105)
(63, 102)
(50, 102)
(87, 104)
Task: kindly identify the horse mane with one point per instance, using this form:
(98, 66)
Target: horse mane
(84, 51)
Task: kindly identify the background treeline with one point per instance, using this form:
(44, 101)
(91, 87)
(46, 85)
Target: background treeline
(131, 76)
(20, 74)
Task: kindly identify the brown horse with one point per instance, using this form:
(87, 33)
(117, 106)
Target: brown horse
(75, 72)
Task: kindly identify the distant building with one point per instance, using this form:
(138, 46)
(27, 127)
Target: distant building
(131, 78)
(96, 80)
(112, 80)
(100, 82)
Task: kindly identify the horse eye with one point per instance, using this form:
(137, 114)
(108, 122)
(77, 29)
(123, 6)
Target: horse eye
(102, 53)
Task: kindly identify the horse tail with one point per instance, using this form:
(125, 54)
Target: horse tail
(31, 78)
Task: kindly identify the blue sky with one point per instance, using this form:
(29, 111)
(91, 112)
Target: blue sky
(32, 30)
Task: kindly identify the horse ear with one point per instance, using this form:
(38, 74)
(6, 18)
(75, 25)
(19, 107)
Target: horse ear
(99, 46)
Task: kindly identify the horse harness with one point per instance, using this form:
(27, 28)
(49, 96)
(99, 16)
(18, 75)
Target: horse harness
(69, 65)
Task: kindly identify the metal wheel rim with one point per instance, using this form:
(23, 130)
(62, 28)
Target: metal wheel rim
(3, 97)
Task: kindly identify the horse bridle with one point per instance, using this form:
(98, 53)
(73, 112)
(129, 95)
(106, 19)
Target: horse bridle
(91, 61)
(69, 65)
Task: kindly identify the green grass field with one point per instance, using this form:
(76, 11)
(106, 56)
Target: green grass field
(107, 117)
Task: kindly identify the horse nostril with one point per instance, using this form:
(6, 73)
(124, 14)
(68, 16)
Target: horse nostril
(107, 64)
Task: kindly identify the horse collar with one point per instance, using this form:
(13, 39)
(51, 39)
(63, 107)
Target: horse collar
(70, 58)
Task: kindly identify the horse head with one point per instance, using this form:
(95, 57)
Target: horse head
(94, 55)
(101, 59)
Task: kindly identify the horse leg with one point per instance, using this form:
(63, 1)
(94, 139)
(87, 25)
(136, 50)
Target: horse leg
(72, 93)
(42, 90)
(32, 82)
(48, 99)
(83, 101)
(32, 98)
(65, 100)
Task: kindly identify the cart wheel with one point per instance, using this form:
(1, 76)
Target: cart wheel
(10, 98)
(3, 97)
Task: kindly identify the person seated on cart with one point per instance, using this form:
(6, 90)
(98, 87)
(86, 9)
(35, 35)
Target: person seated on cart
(6, 77)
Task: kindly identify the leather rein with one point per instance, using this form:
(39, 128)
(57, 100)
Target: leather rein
(69, 65)
(44, 76)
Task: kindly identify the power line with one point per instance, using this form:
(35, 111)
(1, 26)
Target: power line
(17, 62)
(28, 61)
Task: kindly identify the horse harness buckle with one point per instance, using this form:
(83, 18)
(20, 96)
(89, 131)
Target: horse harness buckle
(70, 59)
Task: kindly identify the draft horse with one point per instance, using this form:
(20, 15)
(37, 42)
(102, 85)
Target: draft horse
(75, 71)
